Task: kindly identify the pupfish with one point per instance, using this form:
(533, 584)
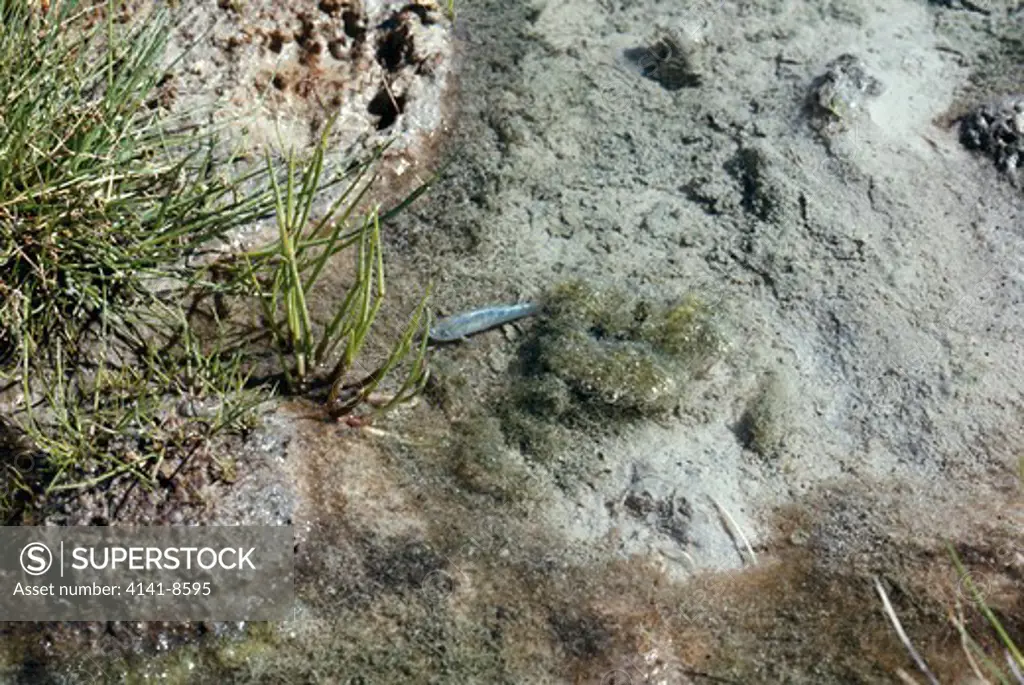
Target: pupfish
(462, 325)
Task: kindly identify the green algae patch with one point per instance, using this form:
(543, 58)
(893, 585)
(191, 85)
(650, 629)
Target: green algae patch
(623, 358)
(595, 359)
(612, 374)
(687, 333)
(768, 418)
(482, 462)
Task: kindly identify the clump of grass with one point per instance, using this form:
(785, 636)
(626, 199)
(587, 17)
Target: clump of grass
(97, 190)
(284, 274)
(104, 198)
(118, 418)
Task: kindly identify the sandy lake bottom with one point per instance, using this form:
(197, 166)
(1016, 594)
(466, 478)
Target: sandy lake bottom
(613, 503)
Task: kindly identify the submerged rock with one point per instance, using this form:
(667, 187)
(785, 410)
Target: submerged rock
(997, 129)
(629, 358)
(839, 94)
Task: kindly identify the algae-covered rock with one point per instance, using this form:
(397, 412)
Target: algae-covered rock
(622, 374)
(687, 333)
(596, 357)
(576, 305)
(626, 356)
(546, 395)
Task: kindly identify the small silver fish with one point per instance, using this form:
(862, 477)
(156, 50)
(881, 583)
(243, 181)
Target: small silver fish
(462, 325)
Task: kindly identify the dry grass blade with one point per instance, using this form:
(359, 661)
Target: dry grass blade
(905, 677)
(891, 613)
(973, 652)
(1015, 668)
(735, 530)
